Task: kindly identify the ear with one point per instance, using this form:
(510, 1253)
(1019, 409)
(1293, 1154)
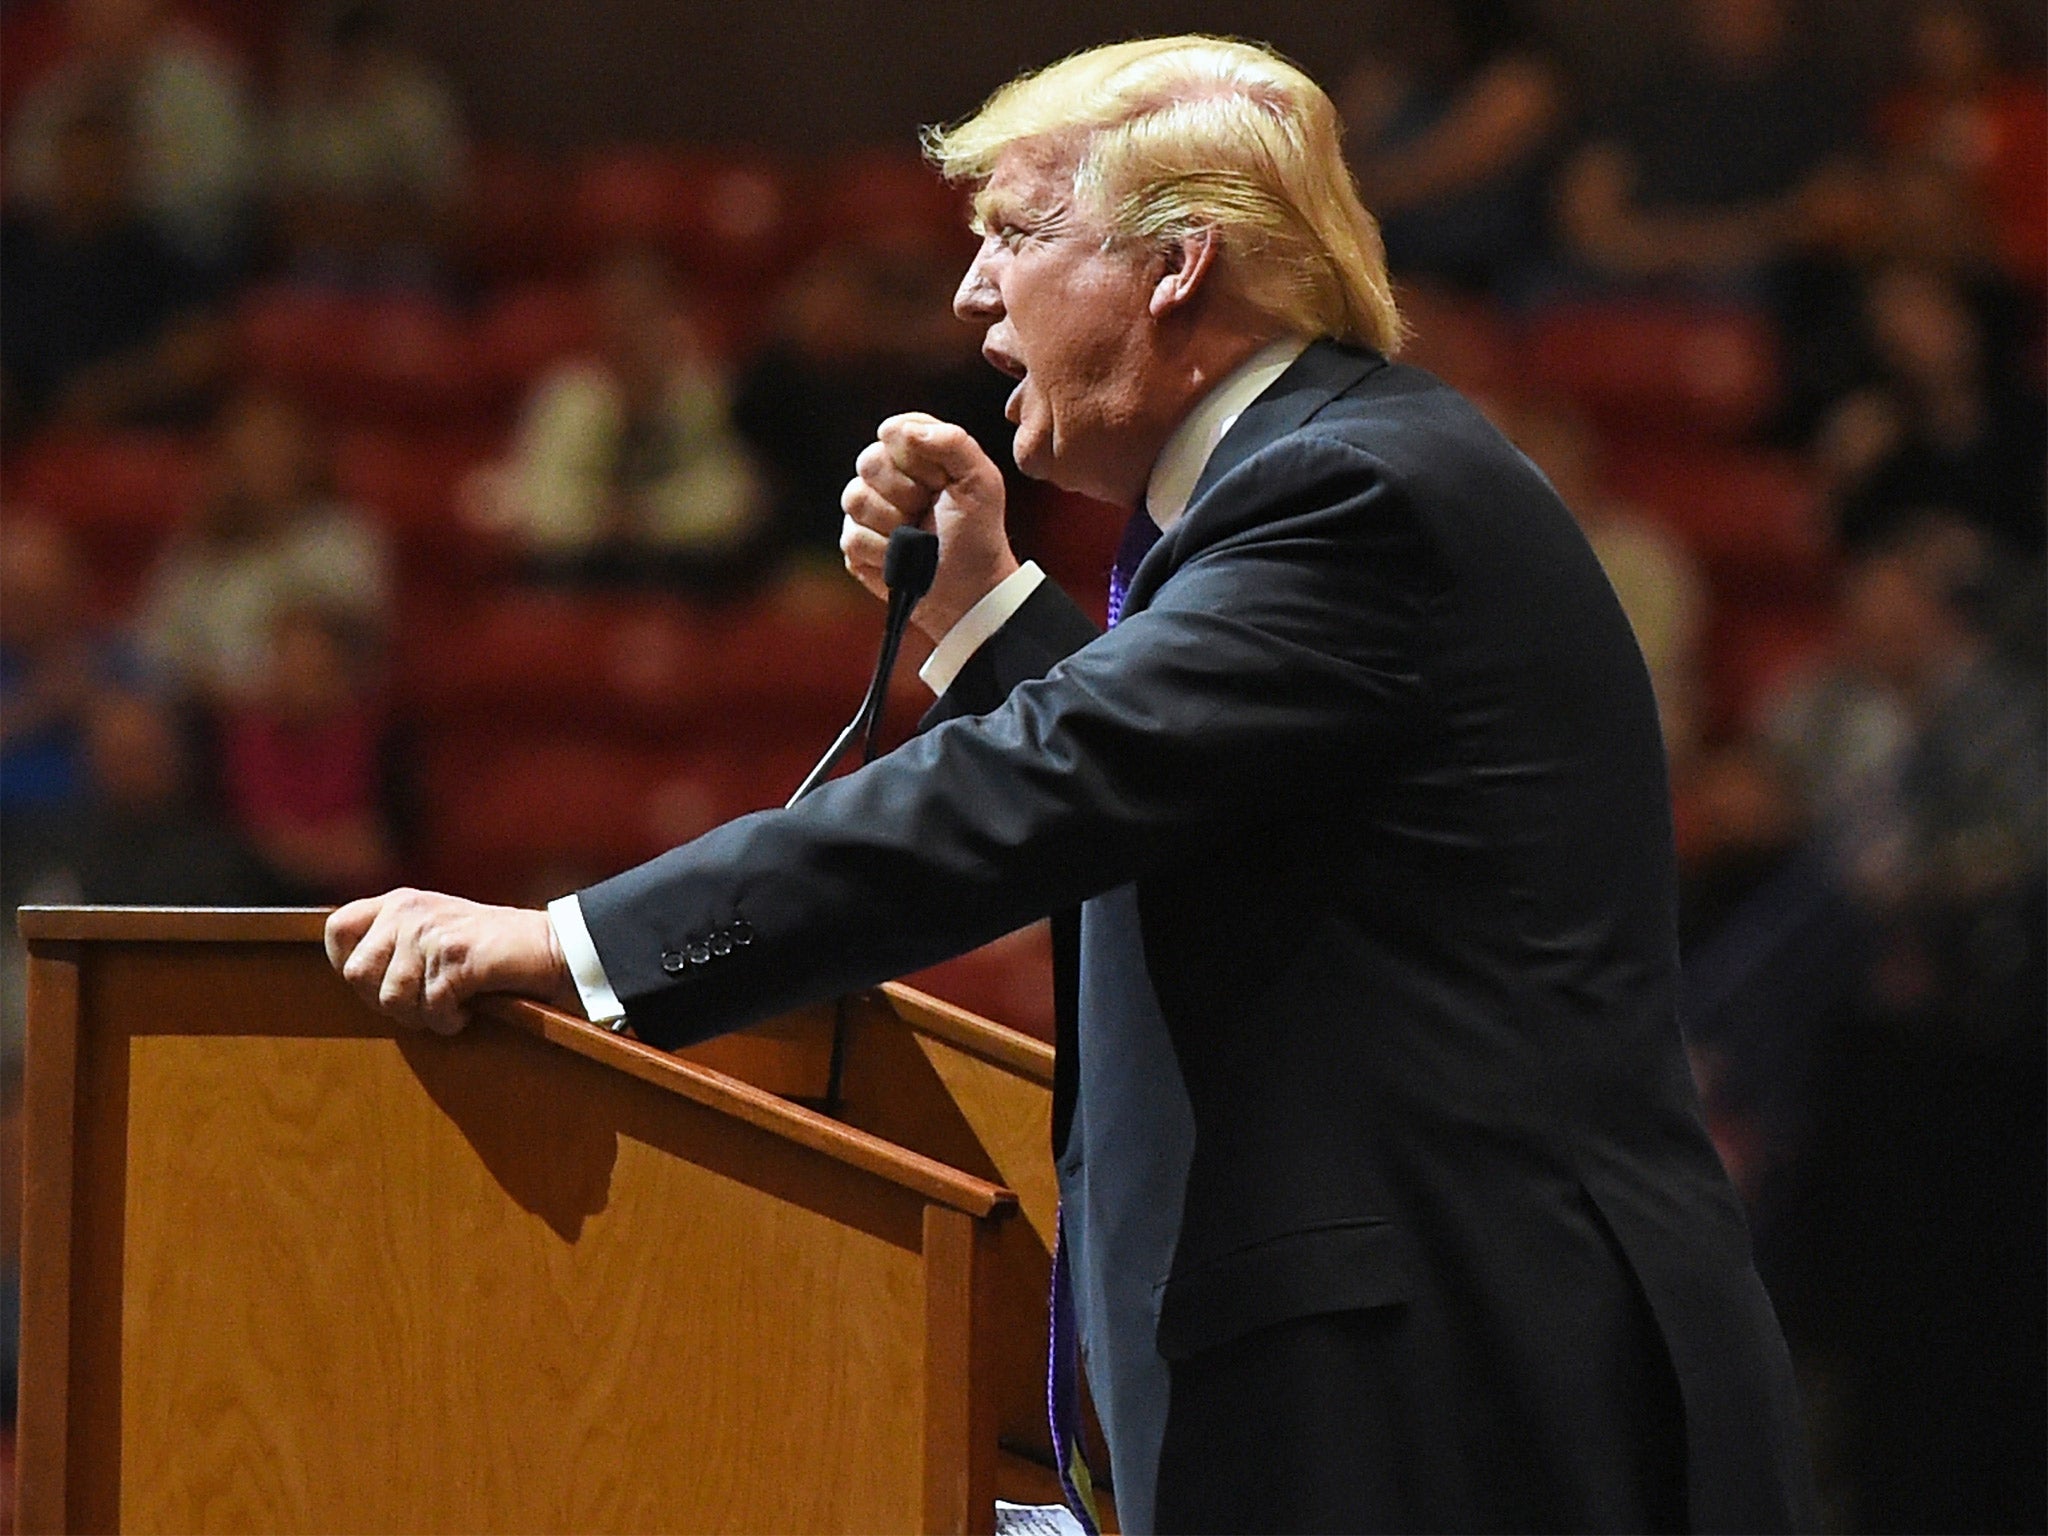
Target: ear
(1188, 261)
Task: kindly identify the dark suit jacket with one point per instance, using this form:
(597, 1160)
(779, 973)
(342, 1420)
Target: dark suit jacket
(1372, 770)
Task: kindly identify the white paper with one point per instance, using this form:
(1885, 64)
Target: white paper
(1036, 1520)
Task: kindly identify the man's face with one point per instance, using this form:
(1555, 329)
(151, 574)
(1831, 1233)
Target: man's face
(1068, 318)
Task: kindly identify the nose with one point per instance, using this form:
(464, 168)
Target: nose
(979, 297)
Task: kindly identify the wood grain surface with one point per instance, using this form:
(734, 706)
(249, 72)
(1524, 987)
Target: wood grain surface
(336, 1319)
(323, 1276)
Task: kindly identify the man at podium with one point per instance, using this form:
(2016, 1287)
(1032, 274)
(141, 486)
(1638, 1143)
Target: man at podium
(1386, 1200)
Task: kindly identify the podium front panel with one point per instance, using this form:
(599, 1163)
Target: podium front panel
(324, 1275)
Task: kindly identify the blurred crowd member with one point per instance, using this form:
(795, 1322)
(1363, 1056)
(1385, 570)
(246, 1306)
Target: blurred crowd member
(141, 837)
(1921, 757)
(303, 761)
(1452, 121)
(1654, 575)
(106, 322)
(625, 466)
(53, 665)
(1731, 158)
(1772, 953)
(1946, 422)
(271, 532)
(864, 332)
(1920, 754)
(196, 161)
(368, 162)
(1985, 124)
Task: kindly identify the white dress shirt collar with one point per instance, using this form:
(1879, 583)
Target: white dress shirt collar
(1186, 454)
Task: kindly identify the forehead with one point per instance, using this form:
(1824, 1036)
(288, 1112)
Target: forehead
(1032, 177)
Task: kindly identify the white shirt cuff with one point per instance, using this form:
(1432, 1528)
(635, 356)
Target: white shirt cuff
(600, 1003)
(975, 627)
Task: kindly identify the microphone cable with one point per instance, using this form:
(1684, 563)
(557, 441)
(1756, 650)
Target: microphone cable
(909, 565)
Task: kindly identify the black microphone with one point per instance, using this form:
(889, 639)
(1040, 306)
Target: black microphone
(908, 567)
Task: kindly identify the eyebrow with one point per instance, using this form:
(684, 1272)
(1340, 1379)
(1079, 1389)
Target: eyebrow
(992, 208)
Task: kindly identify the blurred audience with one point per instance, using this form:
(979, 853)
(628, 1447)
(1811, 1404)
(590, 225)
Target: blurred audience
(1910, 1261)
(368, 158)
(142, 836)
(1964, 109)
(625, 466)
(303, 761)
(270, 534)
(54, 665)
(865, 331)
(108, 323)
(196, 161)
(1732, 156)
(1920, 756)
(1452, 122)
(1944, 421)
(1735, 173)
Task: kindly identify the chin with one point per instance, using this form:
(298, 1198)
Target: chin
(1033, 456)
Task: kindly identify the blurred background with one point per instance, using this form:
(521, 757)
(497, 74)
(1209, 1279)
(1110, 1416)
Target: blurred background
(421, 430)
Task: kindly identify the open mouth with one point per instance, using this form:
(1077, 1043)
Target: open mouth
(1006, 363)
(1002, 361)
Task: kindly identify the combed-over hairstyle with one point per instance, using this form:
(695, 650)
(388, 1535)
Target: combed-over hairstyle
(1179, 134)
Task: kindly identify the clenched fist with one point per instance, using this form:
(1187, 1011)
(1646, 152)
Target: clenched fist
(421, 957)
(926, 471)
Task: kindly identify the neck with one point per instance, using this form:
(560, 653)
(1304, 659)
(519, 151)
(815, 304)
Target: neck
(1184, 380)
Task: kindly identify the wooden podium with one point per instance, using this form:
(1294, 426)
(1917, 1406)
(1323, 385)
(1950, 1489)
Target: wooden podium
(287, 1267)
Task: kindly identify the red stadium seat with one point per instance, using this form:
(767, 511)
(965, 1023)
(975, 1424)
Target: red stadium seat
(725, 219)
(1009, 981)
(1466, 342)
(550, 659)
(122, 495)
(531, 329)
(779, 673)
(409, 482)
(1753, 518)
(138, 484)
(534, 816)
(1637, 366)
(1073, 537)
(515, 220)
(394, 359)
(1753, 650)
(887, 194)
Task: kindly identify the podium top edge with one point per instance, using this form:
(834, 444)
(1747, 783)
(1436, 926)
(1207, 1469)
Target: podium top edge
(199, 925)
(728, 1095)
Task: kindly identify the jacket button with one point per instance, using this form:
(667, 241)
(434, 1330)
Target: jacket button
(721, 943)
(673, 962)
(697, 952)
(742, 932)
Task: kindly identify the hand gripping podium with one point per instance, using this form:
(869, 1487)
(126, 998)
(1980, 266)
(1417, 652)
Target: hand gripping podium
(288, 1267)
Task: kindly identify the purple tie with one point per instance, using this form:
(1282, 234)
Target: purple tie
(1140, 534)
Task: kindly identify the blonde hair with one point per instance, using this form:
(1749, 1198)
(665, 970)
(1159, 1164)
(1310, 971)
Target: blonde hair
(1180, 134)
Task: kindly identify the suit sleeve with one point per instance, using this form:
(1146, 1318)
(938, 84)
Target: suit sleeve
(1279, 659)
(1043, 632)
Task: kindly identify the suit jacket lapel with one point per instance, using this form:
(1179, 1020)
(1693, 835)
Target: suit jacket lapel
(1317, 377)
